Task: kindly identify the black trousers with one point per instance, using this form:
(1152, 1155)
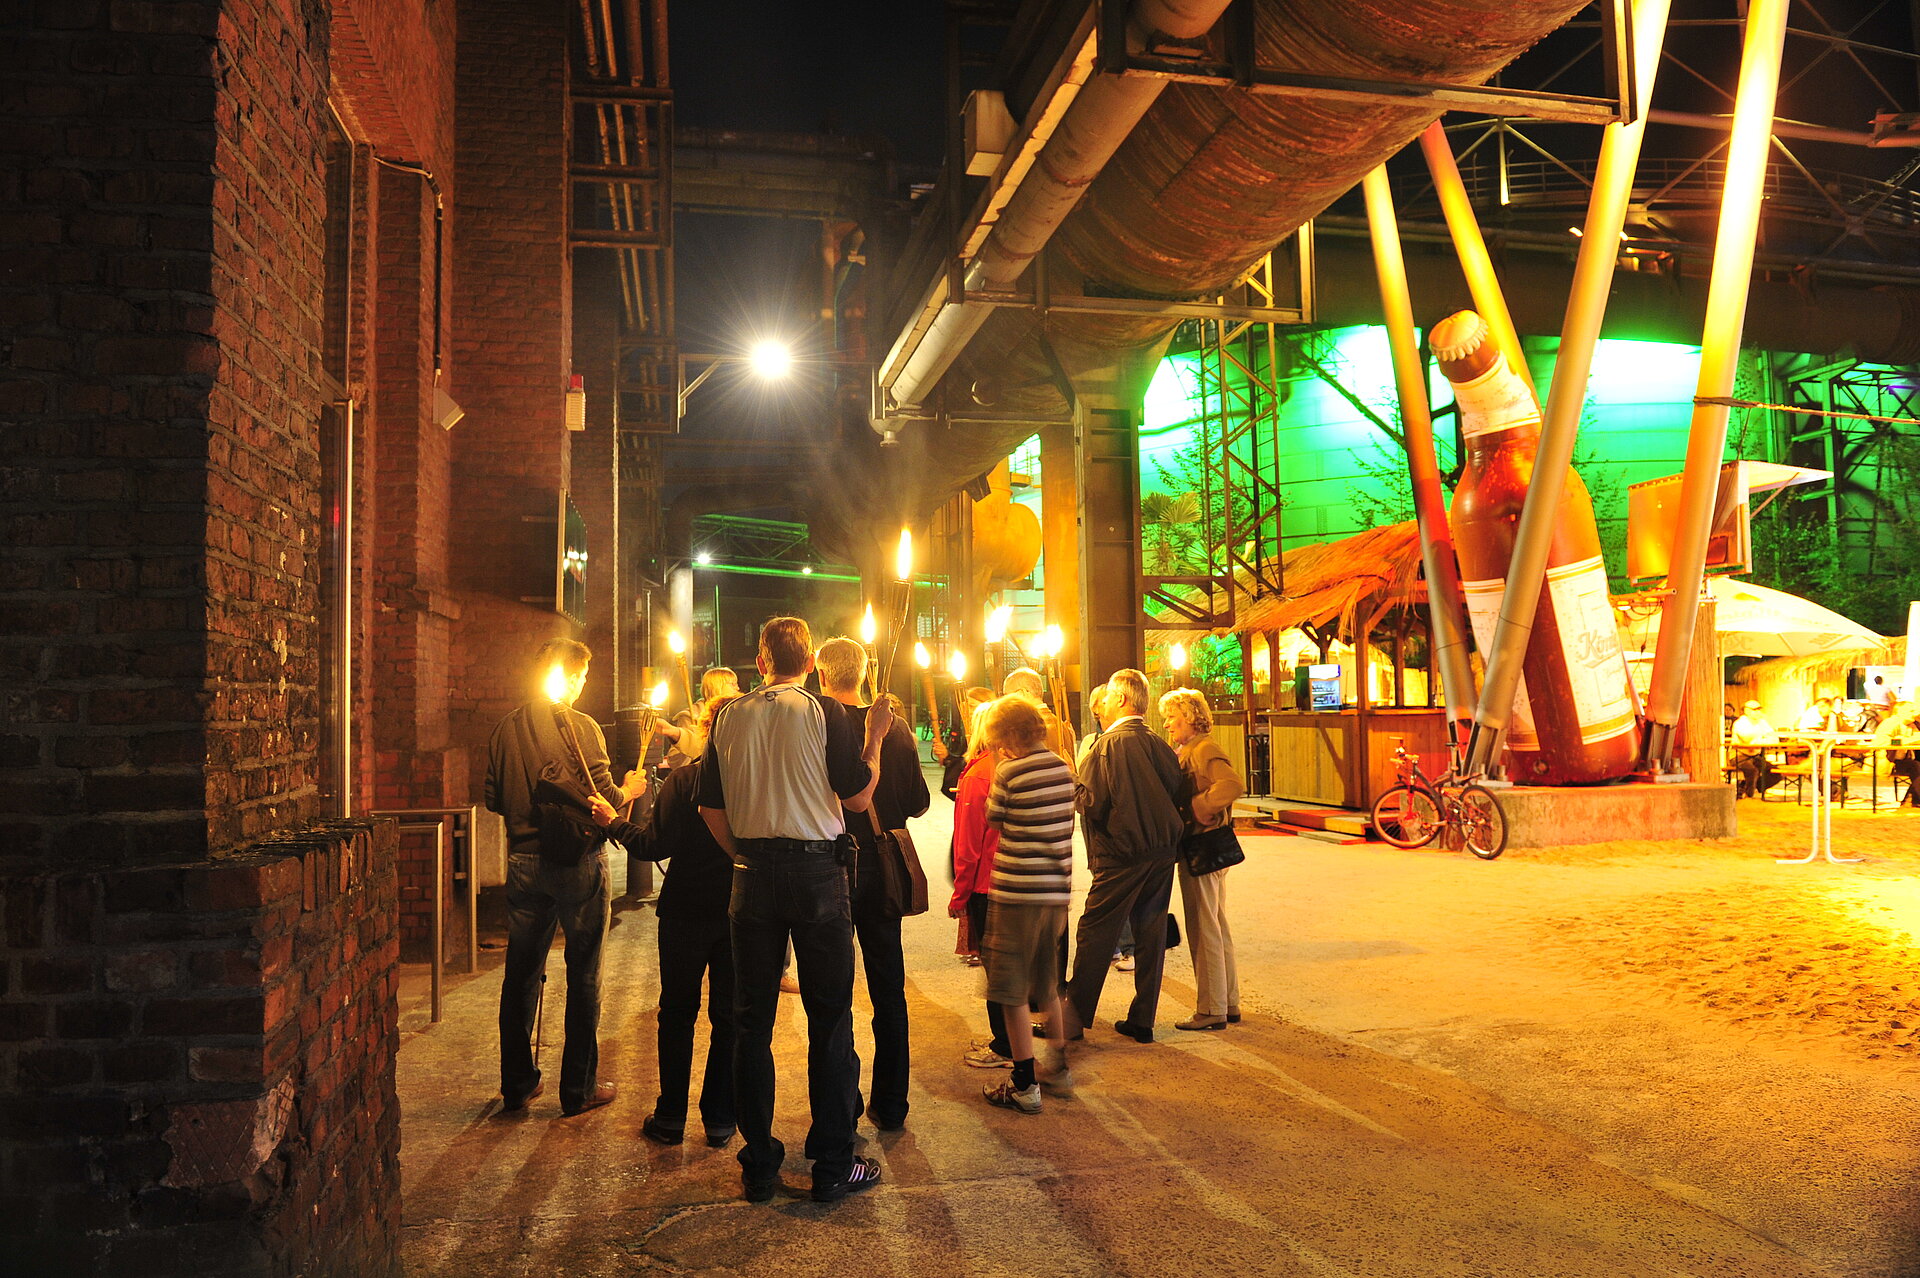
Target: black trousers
(692, 952)
(1139, 892)
(799, 896)
(886, 972)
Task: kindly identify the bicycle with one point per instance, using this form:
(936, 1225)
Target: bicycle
(1415, 810)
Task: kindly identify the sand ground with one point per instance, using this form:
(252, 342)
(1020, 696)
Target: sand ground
(1620, 1058)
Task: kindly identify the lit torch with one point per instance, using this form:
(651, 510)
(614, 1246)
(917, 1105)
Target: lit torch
(957, 667)
(924, 659)
(559, 690)
(678, 644)
(902, 587)
(1177, 661)
(869, 631)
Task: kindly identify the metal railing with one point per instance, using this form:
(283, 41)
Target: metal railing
(450, 842)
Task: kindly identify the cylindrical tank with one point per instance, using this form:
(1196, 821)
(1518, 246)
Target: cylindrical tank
(1575, 720)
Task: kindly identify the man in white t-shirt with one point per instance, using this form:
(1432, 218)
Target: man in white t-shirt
(1818, 717)
(1749, 733)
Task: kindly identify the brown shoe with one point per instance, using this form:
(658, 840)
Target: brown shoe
(602, 1095)
(511, 1105)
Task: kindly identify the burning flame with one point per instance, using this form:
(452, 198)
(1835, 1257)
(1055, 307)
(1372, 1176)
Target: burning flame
(676, 642)
(921, 657)
(1052, 642)
(903, 557)
(957, 665)
(997, 623)
(1177, 656)
(658, 697)
(868, 630)
(556, 684)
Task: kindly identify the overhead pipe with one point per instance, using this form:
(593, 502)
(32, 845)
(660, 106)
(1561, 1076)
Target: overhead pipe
(1560, 424)
(1100, 111)
(1475, 262)
(1719, 362)
(1446, 605)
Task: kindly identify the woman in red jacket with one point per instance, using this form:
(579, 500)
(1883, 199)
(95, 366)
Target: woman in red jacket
(974, 845)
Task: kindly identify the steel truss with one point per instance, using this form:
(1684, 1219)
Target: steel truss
(1868, 529)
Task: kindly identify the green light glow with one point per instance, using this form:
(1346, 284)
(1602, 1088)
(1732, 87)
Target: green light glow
(1630, 372)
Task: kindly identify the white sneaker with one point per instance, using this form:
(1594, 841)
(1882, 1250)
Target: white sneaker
(1057, 1079)
(1027, 1102)
(984, 1057)
(1124, 963)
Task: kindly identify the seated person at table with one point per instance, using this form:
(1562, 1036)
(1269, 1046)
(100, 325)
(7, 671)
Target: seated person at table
(1902, 724)
(1750, 732)
(1818, 717)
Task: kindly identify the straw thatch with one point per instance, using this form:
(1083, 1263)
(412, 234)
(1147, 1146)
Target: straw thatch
(1825, 668)
(1330, 585)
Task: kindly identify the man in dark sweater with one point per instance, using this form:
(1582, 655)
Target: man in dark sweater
(900, 793)
(1129, 794)
(548, 739)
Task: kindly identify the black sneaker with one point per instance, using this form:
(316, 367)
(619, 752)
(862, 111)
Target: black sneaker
(864, 1173)
(661, 1132)
(720, 1135)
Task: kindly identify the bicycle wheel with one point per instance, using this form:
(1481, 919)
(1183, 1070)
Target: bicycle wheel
(1482, 824)
(1407, 816)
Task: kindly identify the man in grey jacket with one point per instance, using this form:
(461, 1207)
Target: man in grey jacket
(1128, 793)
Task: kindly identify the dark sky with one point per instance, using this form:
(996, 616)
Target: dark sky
(845, 66)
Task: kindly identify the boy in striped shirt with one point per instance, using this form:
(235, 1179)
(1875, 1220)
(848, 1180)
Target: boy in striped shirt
(1031, 805)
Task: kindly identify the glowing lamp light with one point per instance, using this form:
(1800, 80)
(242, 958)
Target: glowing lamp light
(555, 684)
(703, 559)
(921, 657)
(903, 557)
(1052, 642)
(658, 697)
(957, 665)
(1177, 656)
(997, 623)
(676, 642)
(868, 630)
(770, 360)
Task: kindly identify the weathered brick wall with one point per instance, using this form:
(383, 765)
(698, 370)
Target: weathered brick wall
(596, 327)
(512, 339)
(197, 1064)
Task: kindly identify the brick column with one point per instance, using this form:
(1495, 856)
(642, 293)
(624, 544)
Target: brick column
(512, 352)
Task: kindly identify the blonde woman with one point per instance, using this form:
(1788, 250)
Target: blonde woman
(1189, 724)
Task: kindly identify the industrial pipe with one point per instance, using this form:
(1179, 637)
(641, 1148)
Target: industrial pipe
(1719, 361)
(1101, 110)
(1446, 605)
(1475, 262)
(1560, 425)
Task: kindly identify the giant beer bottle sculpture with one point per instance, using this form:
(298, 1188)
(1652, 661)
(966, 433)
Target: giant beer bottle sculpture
(1575, 718)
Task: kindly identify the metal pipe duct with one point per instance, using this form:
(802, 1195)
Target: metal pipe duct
(1209, 181)
(1100, 113)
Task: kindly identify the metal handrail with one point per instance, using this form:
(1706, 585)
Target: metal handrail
(437, 820)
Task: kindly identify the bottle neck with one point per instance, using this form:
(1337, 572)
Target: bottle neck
(1497, 408)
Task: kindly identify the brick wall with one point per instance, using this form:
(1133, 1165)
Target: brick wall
(592, 478)
(197, 1064)
(512, 310)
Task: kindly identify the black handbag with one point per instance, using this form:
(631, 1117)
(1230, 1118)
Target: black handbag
(568, 833)
(1211, 851)
(903, 884)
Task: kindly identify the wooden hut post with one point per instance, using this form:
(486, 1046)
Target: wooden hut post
(1400, 658)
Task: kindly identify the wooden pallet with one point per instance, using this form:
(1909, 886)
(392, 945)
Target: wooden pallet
(1304, 820)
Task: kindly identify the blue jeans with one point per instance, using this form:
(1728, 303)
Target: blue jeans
(541, 896)
(693, 950)
(781, 895)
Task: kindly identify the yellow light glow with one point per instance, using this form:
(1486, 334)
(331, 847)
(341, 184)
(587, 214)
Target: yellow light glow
(556, 684)
(1177, 657)
(676, 642)
(1262, 664)
(921, 657)
(997, 623)
(868, 630)
(1052, 642)
(658, 697)
(957, 665)
(771, 360)
(903, 557)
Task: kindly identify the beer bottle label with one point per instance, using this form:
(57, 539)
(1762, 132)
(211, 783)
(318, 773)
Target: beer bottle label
(1589, 641)
(1483, 607)
(1496, 400)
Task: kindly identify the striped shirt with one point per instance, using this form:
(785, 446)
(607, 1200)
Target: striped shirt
(1032, 806)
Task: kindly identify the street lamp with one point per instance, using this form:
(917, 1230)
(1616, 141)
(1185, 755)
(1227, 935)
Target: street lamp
(770, 360)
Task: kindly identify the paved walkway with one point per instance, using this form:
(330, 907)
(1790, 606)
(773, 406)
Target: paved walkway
(1447, 1068)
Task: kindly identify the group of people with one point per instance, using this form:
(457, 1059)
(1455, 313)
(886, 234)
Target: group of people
(772, 831)
(1752, 741)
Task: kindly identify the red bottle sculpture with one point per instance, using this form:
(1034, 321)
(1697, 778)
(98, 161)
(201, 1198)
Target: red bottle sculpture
(1575, 717)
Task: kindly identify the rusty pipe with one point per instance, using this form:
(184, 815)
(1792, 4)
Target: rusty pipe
(1445, 603)
(1560, 424)
(1719, 361)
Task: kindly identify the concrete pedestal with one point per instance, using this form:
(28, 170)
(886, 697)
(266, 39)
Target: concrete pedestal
(1557, 816)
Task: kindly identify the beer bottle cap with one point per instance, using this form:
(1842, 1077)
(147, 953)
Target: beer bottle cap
(1458, 336)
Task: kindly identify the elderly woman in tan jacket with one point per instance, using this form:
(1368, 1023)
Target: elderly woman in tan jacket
(1189, 723)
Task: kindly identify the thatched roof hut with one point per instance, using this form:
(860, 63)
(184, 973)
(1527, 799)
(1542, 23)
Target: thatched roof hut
(1784, 686)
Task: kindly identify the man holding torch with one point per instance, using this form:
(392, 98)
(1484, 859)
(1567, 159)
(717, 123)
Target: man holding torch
(547, 756)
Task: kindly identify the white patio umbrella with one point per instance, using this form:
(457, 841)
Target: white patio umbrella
(1757, 621)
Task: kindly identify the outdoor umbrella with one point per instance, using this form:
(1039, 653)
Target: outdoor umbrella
(1756, 621)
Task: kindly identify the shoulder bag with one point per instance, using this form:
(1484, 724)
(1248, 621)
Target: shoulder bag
(567, 829)
(903, 884)
(1206, 852)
